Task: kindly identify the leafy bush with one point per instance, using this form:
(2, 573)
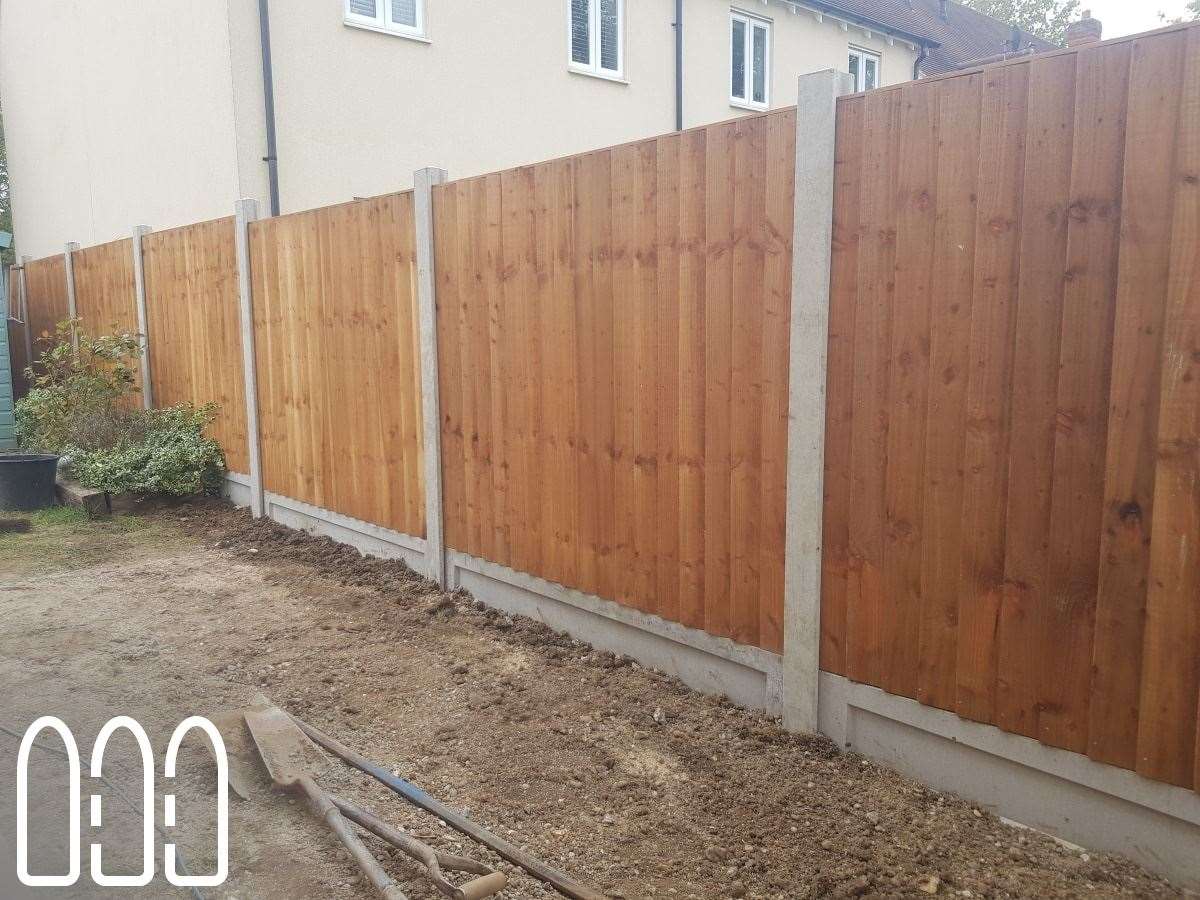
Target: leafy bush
(76, 393)
(81, 407)
(164, 451)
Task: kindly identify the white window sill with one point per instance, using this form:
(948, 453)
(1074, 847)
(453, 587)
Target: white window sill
(754, 107)
(408, 36)
(592, 73)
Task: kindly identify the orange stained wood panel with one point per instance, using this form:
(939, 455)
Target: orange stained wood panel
(613, 335)
(46, 282)
(194, 327)
(1012, 502)
(338, 362)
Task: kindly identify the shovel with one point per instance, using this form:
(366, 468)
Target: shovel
(293, 762)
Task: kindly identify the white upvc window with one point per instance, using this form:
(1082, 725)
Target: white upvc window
(403, 17)
(865, 68)
(596, 37)
(749, 60)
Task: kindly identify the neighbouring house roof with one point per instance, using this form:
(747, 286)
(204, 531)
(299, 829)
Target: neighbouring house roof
(956, 35)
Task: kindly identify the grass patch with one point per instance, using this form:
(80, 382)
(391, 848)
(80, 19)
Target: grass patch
(63, 537)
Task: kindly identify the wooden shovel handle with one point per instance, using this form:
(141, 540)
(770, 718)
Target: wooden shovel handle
(483, 887)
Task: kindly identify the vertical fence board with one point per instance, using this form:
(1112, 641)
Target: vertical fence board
(1167, 736)
(953, 271)
(1093, 233)
(46, 282)
(989, 368)
(839, 405)
(908, 386)
(866, 608)
(1156, 76)
(1045, 209)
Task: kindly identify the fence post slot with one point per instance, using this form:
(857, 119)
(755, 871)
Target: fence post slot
(431, 410)
(25, 260)
(246, 211)
(72, 300)
(816, 119)
(139, 289)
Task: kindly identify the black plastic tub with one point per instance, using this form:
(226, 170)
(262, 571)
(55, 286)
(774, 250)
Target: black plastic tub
(27, 480)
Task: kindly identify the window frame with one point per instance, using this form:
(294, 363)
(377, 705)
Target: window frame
(751, 22)
(595, 47)
(862, 53)
(383, 22)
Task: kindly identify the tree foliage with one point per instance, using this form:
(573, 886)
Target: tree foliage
(6, 256)
(1047, 19)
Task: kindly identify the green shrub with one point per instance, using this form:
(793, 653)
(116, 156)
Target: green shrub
(165, 451)
(82, 407)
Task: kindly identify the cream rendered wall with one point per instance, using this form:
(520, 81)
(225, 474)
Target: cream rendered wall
(117, 113)
(357, 111)
(799, 44)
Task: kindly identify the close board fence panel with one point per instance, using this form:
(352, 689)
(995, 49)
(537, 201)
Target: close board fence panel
(335, 329)
(105, 298)
(613, 336)
(46, 282)
(1012, 512)
(192, 319)
(104, 288)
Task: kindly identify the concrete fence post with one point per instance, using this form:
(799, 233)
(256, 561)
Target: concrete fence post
(72, 299)
(139, 290)
(816, 118)
(431, 415)
(25, 260)
(246, 211)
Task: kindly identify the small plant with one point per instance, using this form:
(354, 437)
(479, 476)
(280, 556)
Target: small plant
(76, 391)
(81, 407)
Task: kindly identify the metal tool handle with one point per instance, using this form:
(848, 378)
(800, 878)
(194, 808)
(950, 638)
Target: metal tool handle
(561, 882)
(325, 808)
(483, 887)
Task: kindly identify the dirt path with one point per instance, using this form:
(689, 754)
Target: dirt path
(617, 774)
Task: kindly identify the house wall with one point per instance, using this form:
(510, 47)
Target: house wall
(358, 111)
(116, 113)
(127, 112)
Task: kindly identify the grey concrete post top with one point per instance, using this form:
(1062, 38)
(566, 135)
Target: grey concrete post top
(141, 230)
(246, 209)
(429, 176)
(72, 246)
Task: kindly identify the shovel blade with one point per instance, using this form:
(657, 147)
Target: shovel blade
(286, 751)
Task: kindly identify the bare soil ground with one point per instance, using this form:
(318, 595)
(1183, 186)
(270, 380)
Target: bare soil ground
(617, 774)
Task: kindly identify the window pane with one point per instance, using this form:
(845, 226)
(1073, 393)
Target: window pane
(581, 32)
(760, 64)
(362, 8)
(739, 59)
(871, 69)
(854, 72)
(404, 12)
(610, 36)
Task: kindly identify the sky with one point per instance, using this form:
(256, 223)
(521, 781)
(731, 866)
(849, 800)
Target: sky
(1121, 17)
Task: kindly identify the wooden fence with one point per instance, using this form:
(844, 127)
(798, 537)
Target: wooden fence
(46, 282)
(1012, 507)
(192, 311)
(1012, 484)
(613, 335)
(338, 383)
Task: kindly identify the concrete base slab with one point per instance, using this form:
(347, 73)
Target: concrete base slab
(748, 676)
(363, 536)
(1065, 794)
